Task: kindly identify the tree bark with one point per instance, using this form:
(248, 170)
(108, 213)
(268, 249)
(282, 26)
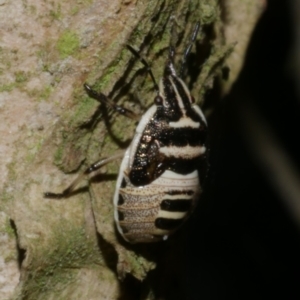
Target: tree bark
(51, 131)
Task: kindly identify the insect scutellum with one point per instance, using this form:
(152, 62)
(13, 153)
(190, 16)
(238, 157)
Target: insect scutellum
(160, 176)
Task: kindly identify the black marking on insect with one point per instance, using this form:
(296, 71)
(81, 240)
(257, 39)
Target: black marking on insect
(159, 179)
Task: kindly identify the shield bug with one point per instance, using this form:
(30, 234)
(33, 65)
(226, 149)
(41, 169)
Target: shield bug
(159, 179)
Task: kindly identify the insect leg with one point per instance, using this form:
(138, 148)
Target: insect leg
(92, 168)
(189, 48)
(103, 99)
(144, 62)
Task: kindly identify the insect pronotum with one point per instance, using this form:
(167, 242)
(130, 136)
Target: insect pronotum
(159, 180)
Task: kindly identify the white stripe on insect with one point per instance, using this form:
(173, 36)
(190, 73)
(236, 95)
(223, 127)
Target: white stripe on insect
(180, 102)
(186, 152)
(171, 215)
(182, 195)
(185, 122)
(200, 113)
(172, 180)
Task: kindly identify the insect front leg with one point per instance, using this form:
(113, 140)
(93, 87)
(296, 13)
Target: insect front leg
(91, 169)
(106, 101)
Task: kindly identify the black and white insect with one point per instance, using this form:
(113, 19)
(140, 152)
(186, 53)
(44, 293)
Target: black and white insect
(162, 170)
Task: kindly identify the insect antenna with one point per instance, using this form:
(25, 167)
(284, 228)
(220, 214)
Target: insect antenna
(106, 101)
(145, 63)
(189, 48)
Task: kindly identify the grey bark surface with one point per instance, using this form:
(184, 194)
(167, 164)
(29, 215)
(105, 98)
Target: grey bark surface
(51, 130)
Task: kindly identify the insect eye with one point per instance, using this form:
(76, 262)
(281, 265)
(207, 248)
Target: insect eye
(192, 99)
(158, 100)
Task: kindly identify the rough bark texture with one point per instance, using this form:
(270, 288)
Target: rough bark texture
(68, 249)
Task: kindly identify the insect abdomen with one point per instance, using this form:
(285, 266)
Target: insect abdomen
(151, 213)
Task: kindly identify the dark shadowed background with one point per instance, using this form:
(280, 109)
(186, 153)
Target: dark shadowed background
(244, 240)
